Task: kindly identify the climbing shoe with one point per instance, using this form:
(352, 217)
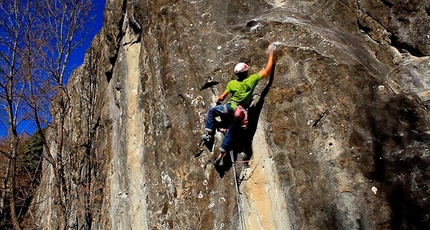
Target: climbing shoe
(218, 159)
(208, 137)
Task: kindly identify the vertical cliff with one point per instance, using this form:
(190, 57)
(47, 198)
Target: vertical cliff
(338, 137)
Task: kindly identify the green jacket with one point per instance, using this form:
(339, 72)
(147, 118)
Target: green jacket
(242, 90)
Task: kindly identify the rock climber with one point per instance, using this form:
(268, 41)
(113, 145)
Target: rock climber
(241, 91)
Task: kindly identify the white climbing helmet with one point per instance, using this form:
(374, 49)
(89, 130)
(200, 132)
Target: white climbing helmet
(241, 67)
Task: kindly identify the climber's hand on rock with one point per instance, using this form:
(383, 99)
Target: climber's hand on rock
(271, 48)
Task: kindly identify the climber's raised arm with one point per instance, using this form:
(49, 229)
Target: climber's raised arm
(266, 71)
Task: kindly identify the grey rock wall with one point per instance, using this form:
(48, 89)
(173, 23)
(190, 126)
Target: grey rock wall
(338, 138)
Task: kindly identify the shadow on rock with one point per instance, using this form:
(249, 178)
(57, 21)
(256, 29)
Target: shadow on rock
(400, 159)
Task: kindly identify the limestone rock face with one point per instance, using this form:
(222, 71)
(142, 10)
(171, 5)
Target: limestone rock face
(338, 136)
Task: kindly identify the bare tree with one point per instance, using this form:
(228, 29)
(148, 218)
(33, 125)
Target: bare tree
(64, 29)
(17, 19)
(36, 41)
(64, 26)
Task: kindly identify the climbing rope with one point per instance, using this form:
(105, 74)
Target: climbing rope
(238, 194)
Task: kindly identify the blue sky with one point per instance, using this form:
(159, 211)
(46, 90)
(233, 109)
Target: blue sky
(77, 56)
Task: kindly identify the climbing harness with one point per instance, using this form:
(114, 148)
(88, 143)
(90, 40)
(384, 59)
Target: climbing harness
(241, 115)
